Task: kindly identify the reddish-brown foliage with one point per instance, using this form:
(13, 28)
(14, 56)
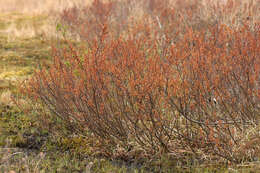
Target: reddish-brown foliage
(199, 92)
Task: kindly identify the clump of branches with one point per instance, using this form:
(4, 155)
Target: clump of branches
(199, 94)
(168, 16)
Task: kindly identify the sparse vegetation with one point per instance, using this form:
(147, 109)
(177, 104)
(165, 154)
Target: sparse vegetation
(130, 86)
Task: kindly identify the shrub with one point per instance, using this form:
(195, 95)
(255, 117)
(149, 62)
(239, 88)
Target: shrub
(136, 93)
(168, 17)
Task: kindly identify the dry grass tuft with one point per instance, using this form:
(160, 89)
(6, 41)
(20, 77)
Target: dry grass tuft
(6, 98)
(38, 6)
(30, 18)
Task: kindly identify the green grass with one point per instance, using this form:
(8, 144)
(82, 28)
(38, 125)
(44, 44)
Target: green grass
(18, 59)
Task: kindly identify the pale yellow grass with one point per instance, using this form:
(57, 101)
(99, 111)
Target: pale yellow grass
(6, 98)
(39, 6)
(21, 25)
(27, 10)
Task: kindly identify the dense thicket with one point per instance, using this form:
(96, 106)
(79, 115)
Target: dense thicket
(167, 81)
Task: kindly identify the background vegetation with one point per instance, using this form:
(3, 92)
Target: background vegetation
(130, 86)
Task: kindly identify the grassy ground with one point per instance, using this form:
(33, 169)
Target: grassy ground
(38, 6)
(25, 145)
